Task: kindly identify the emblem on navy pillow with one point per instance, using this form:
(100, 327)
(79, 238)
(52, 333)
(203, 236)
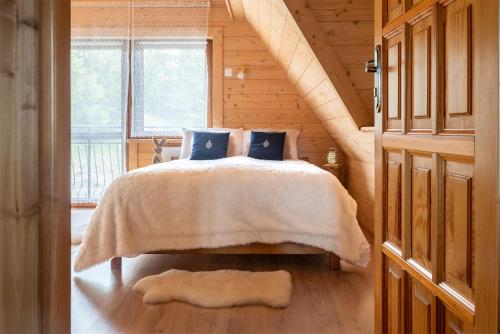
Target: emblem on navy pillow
(209, 145)
(267, 145)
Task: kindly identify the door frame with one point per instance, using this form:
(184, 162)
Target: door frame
(35, 259)
(486, 67)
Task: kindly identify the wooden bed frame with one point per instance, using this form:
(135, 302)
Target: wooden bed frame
(256, 248)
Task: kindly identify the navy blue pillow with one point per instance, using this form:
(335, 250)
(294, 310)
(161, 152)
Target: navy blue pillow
(267, 145)
(209, 145)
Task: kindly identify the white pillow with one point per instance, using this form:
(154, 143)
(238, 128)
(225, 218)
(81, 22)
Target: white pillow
(290, 150)
(233, 148)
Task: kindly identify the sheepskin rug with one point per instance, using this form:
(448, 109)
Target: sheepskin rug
(221, 288)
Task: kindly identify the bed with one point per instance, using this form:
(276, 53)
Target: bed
(224, 204)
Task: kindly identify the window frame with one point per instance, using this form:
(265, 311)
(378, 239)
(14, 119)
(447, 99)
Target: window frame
(130, 107)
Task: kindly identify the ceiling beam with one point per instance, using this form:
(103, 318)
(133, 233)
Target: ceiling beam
(235, 8)
(319, 43)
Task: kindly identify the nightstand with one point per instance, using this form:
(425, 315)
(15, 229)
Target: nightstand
(336, 170)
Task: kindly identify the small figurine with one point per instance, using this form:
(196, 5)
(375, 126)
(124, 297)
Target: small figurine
(331, 158)
(157, 149)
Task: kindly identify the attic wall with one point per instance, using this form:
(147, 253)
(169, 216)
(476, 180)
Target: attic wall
(266, 98)
(349, 27)
(297, 42)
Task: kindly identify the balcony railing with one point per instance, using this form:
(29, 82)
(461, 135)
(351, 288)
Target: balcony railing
(96, 160)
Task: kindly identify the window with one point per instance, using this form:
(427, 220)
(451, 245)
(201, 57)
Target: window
(99, 76)
(170, 85)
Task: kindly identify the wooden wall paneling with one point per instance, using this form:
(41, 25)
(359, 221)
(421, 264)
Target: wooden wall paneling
(245, 58)
(348, 32)
(277, 26)
(342, 10)
(321, 94)
(300, 61)
(312, 76)
(266, 97)
(236, 8)
(265, 20)
(289, 44)
(318, 41)
(349, 36)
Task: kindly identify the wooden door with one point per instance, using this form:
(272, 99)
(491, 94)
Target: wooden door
(437, 167)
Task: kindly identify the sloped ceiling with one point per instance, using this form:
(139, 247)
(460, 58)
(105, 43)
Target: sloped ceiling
(303, 49)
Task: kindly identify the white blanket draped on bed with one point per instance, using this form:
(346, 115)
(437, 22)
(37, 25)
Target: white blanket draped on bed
(187, 204)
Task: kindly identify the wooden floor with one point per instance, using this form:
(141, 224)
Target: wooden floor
(323, 301)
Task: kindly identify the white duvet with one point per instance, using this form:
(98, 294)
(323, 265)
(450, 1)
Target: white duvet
(187, 204)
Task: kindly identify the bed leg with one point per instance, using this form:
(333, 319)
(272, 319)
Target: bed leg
(116, 263)
(333, 261)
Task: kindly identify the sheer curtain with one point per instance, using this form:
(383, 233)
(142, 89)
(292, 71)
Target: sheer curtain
(130, 58)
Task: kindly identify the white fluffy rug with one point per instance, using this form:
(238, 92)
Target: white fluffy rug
(221, 288)
(77, 233)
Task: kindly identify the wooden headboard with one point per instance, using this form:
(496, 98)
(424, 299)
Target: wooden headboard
(140, 151)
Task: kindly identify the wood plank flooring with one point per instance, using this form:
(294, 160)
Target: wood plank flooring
(323, 301)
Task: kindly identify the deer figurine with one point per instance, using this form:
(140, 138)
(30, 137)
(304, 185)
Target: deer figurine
(157, 149)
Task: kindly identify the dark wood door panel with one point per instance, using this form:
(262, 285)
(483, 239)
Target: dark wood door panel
(435, 152)
(395, 287)
(421, 210)
(394, 198)
(458, 116)
(422, 309)
(453, 324)
(421, 74)
(459, 227)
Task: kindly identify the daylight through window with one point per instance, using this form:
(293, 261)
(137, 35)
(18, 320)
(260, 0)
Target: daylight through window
(169, 86)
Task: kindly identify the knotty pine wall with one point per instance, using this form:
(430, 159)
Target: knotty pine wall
(265, 98)
(349, 27)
